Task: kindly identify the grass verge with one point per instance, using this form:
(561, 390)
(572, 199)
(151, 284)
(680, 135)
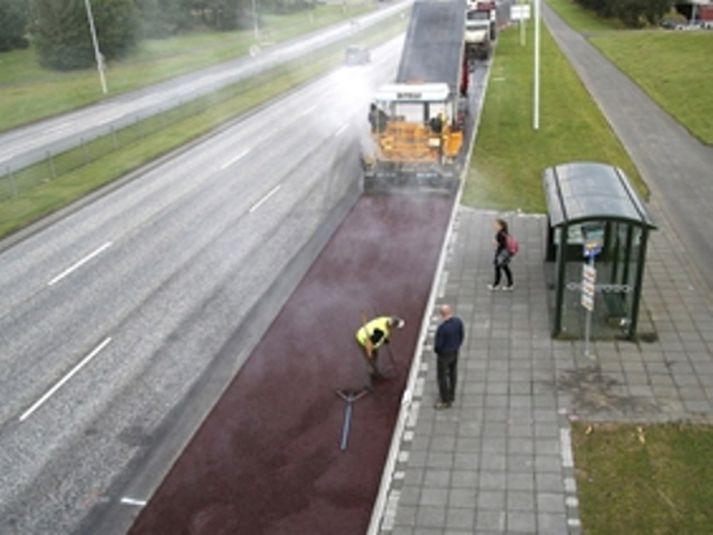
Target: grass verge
(581, 19)
(29, 92)
(673, 67)
(154, 137)
(509, 158)
(644, 479)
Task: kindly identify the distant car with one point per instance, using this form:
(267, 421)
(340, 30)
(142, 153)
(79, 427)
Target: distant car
(681, 26)
(357, 55)
(689, 26)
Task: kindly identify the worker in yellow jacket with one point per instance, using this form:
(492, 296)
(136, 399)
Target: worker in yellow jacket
(372, 335)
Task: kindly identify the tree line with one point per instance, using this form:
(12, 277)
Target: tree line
(59, 29)
(632, 13)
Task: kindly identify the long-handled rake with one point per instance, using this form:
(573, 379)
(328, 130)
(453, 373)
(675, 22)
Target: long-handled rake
(350, 398)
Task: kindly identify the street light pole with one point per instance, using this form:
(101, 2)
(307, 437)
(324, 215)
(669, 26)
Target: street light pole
(536, 96)
(97, 54)
(255, 28)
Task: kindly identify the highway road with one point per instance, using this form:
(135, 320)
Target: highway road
(25, 145)
(110, 317)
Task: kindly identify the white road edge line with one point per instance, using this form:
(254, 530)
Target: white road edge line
(341, 129)
(132, 501)
(265, 198)
(235, 159)
(36, 405)
(308, 110)
(79, 264)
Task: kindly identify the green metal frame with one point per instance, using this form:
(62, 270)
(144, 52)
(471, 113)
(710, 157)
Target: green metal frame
(639, 282)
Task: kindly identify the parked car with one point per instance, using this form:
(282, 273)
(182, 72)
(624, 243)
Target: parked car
(357, 55)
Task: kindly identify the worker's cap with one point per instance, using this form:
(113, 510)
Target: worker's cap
(397, 322)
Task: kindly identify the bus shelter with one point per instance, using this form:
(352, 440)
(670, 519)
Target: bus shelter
(597, 232)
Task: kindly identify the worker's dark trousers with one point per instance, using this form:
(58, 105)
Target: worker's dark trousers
(372, 371)
(447, 376)
(372, 367)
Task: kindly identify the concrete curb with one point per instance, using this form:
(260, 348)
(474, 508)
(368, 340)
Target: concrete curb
(407, 401)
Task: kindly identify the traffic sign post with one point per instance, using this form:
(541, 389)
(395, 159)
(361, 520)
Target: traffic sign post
(589, 279)
(520, 13)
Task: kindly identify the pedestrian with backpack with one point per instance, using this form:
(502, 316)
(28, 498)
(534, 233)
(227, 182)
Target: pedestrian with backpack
(506, 247)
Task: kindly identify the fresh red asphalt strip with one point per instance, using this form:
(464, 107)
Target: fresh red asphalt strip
(267, 459)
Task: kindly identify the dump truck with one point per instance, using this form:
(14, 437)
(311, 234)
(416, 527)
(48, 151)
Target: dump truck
(417, 122)
(480, 30)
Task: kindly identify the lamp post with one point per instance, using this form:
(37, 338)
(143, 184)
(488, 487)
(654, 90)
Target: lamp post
(255, 27)
(536, 91)
(97, 54)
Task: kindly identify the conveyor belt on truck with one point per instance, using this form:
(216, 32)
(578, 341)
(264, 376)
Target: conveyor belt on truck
(433, 49)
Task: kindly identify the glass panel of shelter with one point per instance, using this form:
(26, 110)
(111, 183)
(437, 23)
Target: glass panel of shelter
(616, 267)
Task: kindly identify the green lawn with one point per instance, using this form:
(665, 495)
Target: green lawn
(674, 68)
(582, 20)
(29, 92)
(509, 155)
(109, 158)
(649, 480)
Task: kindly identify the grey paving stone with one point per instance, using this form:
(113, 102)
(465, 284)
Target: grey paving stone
(491, 499)
(413, 476)
(545, 482)
(467, 445)
(459, 497)
(548, 463)
(552, 524)
(410, 495)
(434, 496)
(446, 443)
(492, 480)
(521, 522)
(517, 481)
(439, 460)
(460, 518)
(436, 478)
(547, 446)
(518, 500)
(521, 446)
(431, 517)
(465, 479)
(428, 531)
(406, 515)
(491, 521)
(466, 461)
(521, 463)
(548, 502)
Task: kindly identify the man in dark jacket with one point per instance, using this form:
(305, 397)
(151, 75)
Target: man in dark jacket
(449, 338)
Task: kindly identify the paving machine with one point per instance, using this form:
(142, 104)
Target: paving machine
(417, 123)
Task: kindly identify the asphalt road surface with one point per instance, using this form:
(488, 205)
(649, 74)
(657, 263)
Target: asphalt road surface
(111, 315)
(25, 145)
(676, 166)
(267, 460)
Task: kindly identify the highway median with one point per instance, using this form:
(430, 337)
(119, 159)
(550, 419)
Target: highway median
(29, 92)
(43, 188)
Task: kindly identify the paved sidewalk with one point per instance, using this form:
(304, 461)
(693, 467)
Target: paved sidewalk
(500, 460)
(494, 462)
(676, 166)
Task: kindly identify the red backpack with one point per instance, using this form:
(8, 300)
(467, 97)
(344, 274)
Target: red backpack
(512, 245)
